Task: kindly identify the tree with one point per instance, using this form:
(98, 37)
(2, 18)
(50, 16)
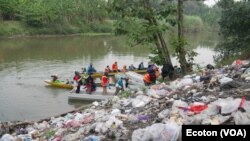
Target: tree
(145, 21)
(209, 15)
(234, 28)
(8, 9)
(180, 47)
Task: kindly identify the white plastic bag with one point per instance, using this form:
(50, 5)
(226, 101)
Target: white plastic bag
(164, 113)
(157, 132)
(115, 112)
(228, 105)
(225, 80)
(241, 118)
(7, 137)
(171, 132)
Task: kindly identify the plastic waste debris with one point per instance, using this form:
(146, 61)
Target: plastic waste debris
(143, 117)
(140, 101)
(7, 137)
(164, 113)
(225, 80)
(95, 103)
(228, 105)
(88, 118)
(241, 118)
(195, 109)
(115, 112)
(22, 131)
(184, 82)
(113, 120)
(157, 132)
(91, 138)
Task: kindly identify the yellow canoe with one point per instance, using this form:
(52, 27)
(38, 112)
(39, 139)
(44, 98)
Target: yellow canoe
(59, 84)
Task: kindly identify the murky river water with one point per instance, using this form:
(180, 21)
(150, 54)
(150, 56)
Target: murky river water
(26, 62)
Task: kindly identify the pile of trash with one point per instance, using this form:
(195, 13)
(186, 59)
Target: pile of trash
(216, 97)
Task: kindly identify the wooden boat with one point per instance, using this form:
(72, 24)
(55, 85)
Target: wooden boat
(59, 84)
(137, 71)
(99, 74)
(94, 96)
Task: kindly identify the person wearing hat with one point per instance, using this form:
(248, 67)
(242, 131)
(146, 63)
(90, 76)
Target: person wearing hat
(55, 78)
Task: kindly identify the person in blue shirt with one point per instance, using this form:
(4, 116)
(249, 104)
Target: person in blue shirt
(121, 84)
(91, 69)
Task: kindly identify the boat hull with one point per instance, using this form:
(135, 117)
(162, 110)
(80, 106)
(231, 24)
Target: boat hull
(94, 96)
(59, 85)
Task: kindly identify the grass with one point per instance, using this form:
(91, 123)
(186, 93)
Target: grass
(10, 28)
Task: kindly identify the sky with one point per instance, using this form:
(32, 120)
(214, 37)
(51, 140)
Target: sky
(210, 2)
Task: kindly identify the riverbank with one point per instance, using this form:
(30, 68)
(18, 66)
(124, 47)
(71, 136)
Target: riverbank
(14, 29)
(220, 99)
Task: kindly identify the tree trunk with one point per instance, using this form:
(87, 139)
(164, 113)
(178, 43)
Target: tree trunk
(180, 48)
(159, 40)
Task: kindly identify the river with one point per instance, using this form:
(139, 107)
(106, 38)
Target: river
(26, 62)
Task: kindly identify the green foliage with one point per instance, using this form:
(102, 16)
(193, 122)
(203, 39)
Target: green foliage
(193, 23)
(57, 16)
(48, 133)
(8, 9)
(234, 29)
(190, 54)
(11, 28)
(142, 21)
(155, 57)
(209, 15)
(126, 94)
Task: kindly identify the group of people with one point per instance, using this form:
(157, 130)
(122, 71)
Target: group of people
(86, 79)
(90, 84)
(149, 78)
(80, 80)
(124, 68)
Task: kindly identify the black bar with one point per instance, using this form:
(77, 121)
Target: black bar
(216, 132)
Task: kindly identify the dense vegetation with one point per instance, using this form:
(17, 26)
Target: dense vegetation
(24, 17)
(234, 30)
(53, 16)
(202, 14)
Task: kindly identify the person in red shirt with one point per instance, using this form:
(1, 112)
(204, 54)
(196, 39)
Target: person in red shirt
(78, 79)
(105, 83)
(115, 67)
